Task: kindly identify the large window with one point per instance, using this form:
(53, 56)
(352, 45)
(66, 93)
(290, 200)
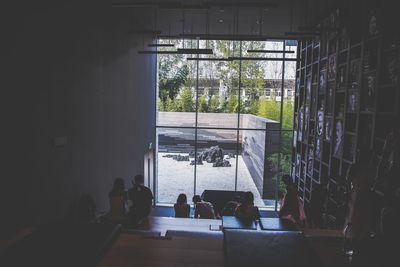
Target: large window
(224, 121)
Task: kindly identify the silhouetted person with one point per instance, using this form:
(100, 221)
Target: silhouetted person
(317, 205)
(141, 198)
(291, 206)
(203, 209)
(230, 207)
(182, 209)
(118, 200)
(359, 206)
(246, 209)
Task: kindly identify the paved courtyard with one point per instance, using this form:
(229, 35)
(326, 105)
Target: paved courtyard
(175, 177)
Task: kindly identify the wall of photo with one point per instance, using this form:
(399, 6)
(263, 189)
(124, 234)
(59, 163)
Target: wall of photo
(346, 107)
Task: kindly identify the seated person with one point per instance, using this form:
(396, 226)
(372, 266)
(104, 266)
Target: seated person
(141, 198)
(182, 209)
(118, 201)
(230, 207)
(246, 209)
(291, 206)
(203, 209)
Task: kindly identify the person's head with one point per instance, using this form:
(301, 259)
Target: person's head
(248, 198)
(196, 198)
(139, 179)
(119, 185)
(181, 199)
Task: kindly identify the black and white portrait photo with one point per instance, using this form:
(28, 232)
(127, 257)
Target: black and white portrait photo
(318, 148)
(352, 101)
(368, 92)
(332, 67)
(338, 138)
(320, 122)
(322, 80)
(301, 121)
(328, 129)
(310, 164)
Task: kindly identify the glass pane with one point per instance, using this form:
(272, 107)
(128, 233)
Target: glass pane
(251, 165)
(217, 86)
(217, 149)
(291, 46)
(176, 86)
(175, 174)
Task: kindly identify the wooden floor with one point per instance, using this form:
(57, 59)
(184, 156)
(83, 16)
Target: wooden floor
(178, 251)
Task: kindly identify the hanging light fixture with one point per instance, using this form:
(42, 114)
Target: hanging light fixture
(270, 51)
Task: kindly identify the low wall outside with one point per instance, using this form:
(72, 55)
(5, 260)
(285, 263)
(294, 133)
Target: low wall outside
(254, 143)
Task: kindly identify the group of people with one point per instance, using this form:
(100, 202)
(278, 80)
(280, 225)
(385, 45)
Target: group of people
(130, 207)
(133, 206)
(243, 208)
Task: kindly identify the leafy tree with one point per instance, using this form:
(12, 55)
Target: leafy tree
(186, 101)
(232, 104)
(254, 106)
(202, 107)
(172, 105)
(173, 73)
(269, 109)
(213, 105)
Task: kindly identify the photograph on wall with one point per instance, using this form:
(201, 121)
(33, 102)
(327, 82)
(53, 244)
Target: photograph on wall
(390, 70)
(308, 90)
(373, 29)
(322, 80)
(329, 99)
(332, 67)
(318, 149)
(300, 126)
(310, 165)
(368, 92)
(314, 99)
(341, 78)
(320, 122)
(354, 74)
(294, 172)
(306, 122)
(352, 101)
(298, 164)
(338, 144)
(328, 129)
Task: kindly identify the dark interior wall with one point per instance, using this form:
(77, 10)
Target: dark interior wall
(72, 76)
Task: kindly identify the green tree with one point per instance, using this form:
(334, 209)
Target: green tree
(270, 109)
(254, 106)
(186, 101)
(173, 73)
(202, 104)
(213, 105)
(232, 104)
(172, 105)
